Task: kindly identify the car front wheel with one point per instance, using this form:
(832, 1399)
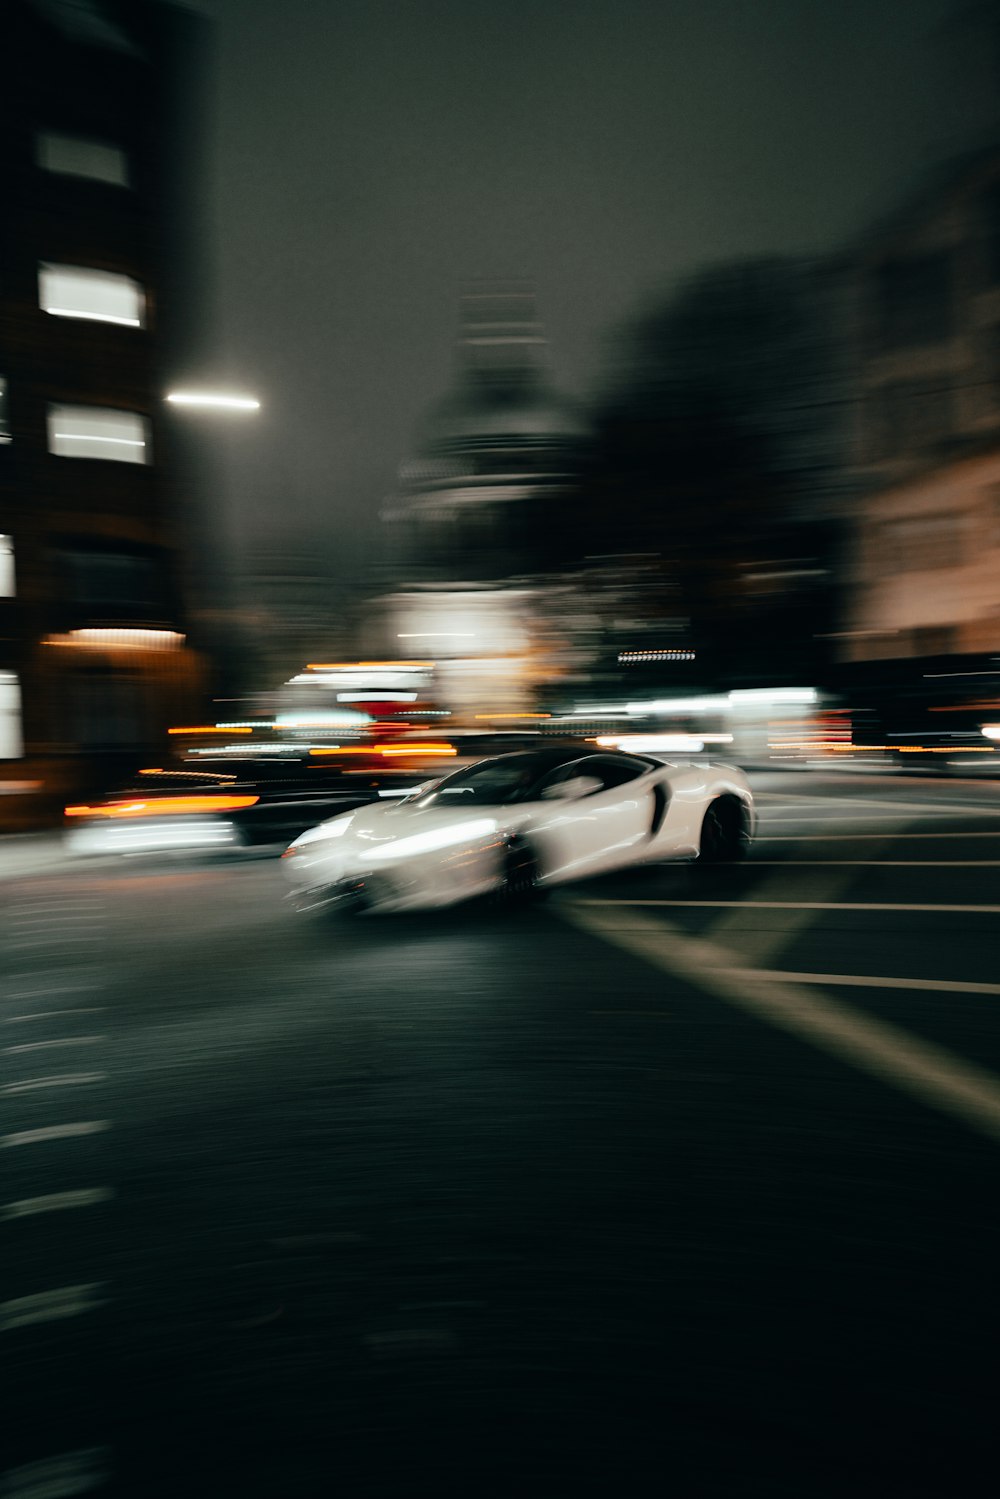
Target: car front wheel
(520, 885)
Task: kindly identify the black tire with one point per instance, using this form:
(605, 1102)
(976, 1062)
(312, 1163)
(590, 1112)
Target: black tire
(723, 835)
(521, 875)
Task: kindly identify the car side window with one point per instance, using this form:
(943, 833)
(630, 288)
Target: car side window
(614, 770)
(560, 774)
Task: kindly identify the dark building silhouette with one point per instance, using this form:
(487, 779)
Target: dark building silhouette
(94, 660)
(484, 496)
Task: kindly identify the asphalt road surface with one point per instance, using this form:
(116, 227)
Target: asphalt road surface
(682, 1183)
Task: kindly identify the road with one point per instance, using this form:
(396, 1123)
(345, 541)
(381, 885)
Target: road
(683, 1182)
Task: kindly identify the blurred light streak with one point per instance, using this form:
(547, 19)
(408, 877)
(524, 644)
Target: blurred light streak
(872, 749)
(213, 399)
(251, 751)
(754, 697)
(366, 665)
(119, 442)
(188, 775)
(169, 805)
(377, 697)
(210, 728)
(94, 317)
(114, 638)
(322, 718)
(627, 658)
(637, 743)
(384, 750)
(419, 749)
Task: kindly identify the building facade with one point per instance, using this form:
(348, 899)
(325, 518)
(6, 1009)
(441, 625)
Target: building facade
(925, 575)
(94, 659)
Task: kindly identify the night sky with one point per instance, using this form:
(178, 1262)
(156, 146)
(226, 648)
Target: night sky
(365, 157)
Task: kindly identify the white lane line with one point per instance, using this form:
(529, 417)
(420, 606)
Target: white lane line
(870, 824)
(58, 1477)
(837, 815)
(51, 1306)
(859, 837)
(29, 944)
(55, 989)
(868, 981)
(52, 1014)
(870, 801)
(24, 1046)
(764, 943)
(62, 907)
(926, 1072)
(56, 1202)
(52, 919)
(55, 1132)
(800, 905)
(58, 1080)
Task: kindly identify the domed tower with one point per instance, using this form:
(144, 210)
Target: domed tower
(485, 495)
(480, 516)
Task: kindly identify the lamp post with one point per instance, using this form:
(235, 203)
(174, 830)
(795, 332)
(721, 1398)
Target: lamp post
(210, 579)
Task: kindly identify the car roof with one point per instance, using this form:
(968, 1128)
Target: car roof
(544, 760)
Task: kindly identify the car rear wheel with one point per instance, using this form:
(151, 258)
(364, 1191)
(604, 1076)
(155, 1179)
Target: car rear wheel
(723, 838)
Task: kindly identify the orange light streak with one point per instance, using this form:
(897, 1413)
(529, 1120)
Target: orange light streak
(170, 805)
(208, 728)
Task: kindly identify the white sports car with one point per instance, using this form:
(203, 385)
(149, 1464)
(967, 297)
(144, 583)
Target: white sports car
(520, 824)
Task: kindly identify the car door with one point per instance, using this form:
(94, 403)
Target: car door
(602, 830)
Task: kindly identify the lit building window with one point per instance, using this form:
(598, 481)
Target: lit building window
(96, 432)
(75, 156)
(75, 291)
(7, 586)
(11, 740)
(4, 419)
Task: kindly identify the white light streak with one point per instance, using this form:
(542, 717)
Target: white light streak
(377, 697)
(125, 442)
(124, 638)
(753, 697)
(703, 704)
(94, 317)
(212, 399)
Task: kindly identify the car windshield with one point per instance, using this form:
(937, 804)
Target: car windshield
(493, 783)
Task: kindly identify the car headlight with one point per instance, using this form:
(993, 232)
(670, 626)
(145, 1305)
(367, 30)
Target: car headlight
(335, 828)
(424, 843)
